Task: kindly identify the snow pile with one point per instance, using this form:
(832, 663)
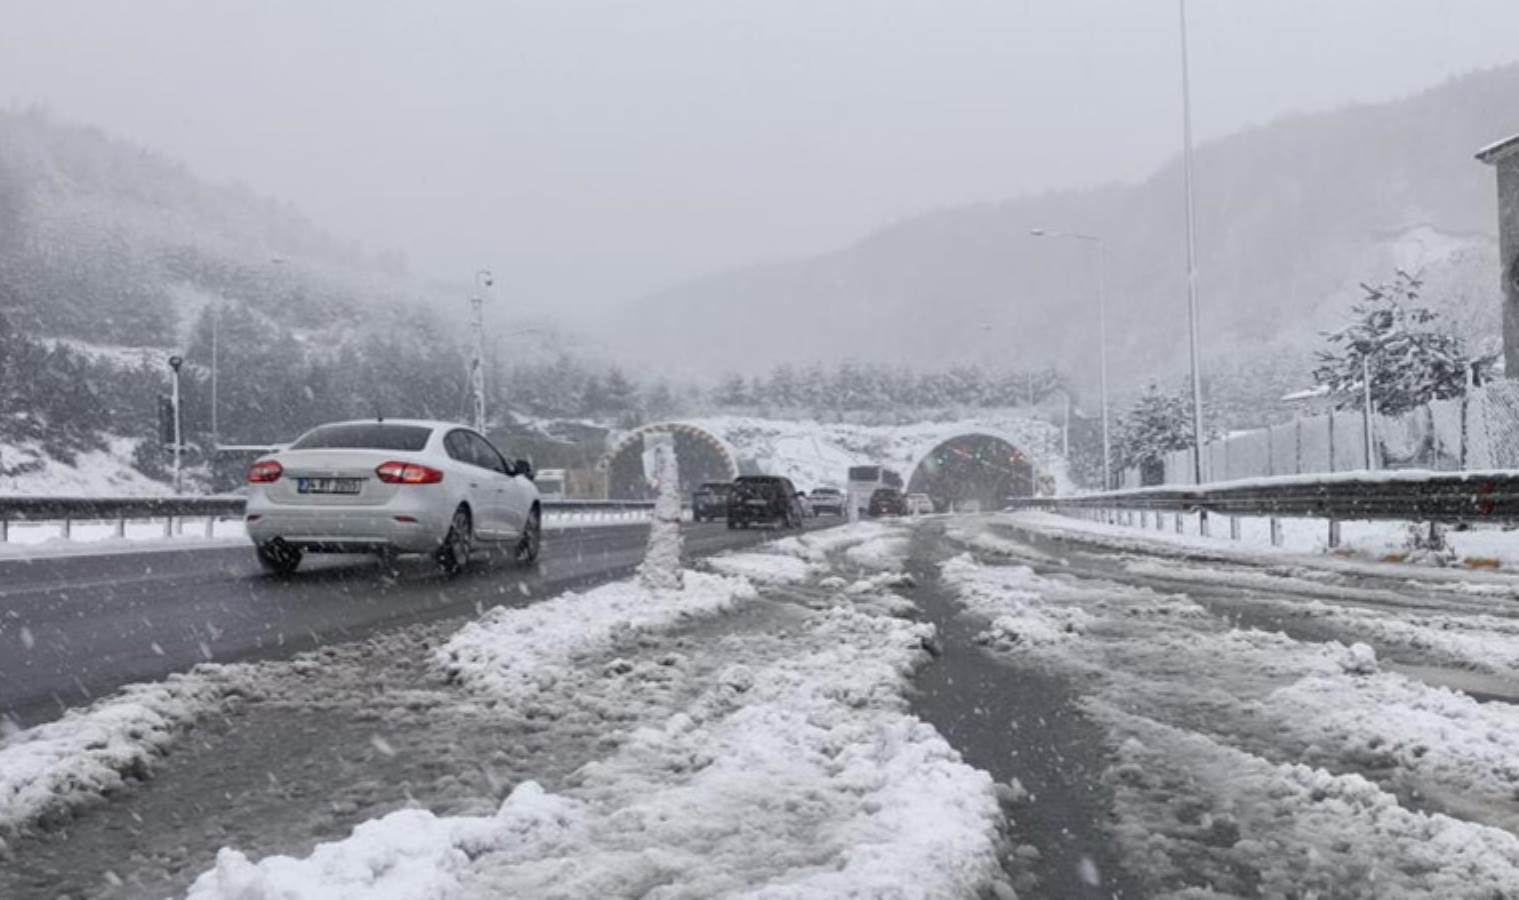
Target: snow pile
(763, 568)
(660, 569)
(1195, 813)
(1010, 597)
(796, 773)
(514, 653)
(69, 762)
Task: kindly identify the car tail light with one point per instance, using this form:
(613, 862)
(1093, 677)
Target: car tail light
(265, 471)
(407, 473)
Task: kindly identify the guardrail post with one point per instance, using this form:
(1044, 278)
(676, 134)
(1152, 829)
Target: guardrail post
(1276, 532)
(5, 531)
(210, 526)
(1334, 533)
(168, 526)
(1202, 522)
(1144, 518)
(121, 526)
(66, 528)
(1180, 527)
(1234, 528)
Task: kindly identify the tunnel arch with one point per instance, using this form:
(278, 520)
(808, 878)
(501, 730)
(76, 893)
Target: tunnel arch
(973, 468)
(700, 455)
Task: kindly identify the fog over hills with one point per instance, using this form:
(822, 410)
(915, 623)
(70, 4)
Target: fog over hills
(1291, 217)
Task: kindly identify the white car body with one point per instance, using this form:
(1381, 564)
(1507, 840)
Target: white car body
(301, 508)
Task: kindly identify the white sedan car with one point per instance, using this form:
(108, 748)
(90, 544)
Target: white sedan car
(391, 486)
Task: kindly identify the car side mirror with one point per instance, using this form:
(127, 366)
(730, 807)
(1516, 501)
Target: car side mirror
(524, 468)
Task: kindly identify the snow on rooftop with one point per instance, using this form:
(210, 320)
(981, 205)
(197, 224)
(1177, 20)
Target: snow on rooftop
(1499, 150)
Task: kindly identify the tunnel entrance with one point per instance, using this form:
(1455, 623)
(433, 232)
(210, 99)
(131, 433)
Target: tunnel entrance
(699, 454)
(972, 472)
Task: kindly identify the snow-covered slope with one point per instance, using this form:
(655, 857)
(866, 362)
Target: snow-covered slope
(27, 470)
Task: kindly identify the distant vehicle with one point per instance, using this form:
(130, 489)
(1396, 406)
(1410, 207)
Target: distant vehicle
(710, 501)
(887, 502)
(763, 499)
(972, 505)
(919, 505)
(391, 487)
(805, 502)
(865, 480)
(551, 483)
(827, 500)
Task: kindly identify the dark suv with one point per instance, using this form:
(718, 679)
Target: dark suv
(888, 502)
(763, 499)
(710, 501)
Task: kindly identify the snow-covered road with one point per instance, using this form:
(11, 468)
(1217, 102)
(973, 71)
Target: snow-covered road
(951, 707)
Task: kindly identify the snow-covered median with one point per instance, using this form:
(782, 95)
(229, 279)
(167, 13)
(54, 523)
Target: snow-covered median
(58, 766)
(515, 653)
(795, 770)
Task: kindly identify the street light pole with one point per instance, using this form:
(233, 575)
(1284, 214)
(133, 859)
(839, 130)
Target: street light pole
(483, 280)
(174, 363)
(1186, 127)
(1102, 338)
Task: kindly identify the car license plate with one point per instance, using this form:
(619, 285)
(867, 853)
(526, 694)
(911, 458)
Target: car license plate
(328, 485)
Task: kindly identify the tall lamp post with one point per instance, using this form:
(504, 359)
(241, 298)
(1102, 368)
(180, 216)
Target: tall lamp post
(483, 280)
(1186, 130)
(1102, 340)
(174, 363)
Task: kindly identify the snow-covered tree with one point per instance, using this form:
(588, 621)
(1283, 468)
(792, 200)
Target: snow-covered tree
(1411, 356)
(731, 391)
(1157, 424)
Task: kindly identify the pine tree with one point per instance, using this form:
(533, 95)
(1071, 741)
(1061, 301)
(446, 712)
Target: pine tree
(1410, 357)
(731, 391)
(1157, 424)
(622, 398)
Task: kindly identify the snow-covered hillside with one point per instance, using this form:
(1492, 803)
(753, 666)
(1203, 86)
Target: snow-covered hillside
(27, 470)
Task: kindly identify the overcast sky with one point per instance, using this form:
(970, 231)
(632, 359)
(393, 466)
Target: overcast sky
(593, 151)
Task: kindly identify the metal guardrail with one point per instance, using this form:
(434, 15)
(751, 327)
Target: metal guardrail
(68, 510)
(1408, 495)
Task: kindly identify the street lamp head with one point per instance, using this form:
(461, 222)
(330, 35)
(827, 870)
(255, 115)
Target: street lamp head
(1038, 232)
(175, 362)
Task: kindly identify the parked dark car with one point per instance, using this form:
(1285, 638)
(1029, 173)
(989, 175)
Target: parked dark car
(888, 502)
(763, 500)
(827, 500)
(710, 501)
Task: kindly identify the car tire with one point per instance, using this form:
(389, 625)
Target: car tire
(278, 557)
(531, 541)
(453, 556)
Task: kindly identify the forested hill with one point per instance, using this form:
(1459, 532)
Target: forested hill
(108, 242)
(111, 256)
(1291, 216)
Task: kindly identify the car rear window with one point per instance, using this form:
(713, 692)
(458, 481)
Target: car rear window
(365, 436)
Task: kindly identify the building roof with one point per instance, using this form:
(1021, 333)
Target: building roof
(1495, 153)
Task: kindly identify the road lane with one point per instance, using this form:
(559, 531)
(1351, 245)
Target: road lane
(74, 628)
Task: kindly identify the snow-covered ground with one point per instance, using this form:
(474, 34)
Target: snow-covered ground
(793, 769)
(1271, 763)
(94, 473)
(1481, 547)
(730, 742)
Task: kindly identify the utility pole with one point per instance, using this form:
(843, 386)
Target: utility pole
(483, 280)
(174, 363)
(1366, 411)
(1186, 126)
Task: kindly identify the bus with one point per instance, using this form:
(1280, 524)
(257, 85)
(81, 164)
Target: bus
(864, 480)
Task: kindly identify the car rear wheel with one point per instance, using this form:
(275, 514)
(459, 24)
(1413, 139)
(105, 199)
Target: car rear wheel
(278, 557)
(453, 556)
(531, 541)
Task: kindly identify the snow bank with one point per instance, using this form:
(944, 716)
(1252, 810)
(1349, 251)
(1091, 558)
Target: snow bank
(513, 653)
(1196, 813)
(69, 762)
(763, 568)
(796, 773)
